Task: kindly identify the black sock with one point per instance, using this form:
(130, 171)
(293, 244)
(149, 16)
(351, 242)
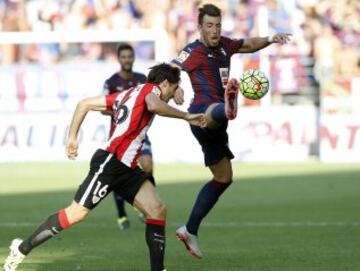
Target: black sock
(120, 204)
(205, 201)
(155, 239)
(54, 224)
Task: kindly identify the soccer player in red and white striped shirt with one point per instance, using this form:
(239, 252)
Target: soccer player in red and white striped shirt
(115, 165)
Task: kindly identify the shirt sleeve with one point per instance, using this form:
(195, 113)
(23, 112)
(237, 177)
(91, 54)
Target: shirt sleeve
(110, 100)
(186, 60)
(233, 45)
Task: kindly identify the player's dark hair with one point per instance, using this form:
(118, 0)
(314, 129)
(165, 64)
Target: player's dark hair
(208, 9)
(163, 71)
(124, 46)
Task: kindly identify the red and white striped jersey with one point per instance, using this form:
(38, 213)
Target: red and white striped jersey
(131, 119)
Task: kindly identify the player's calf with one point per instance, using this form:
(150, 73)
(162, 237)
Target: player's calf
(155, 239)
(53, 225)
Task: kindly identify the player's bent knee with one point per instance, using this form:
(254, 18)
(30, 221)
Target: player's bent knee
(224, 179)
(76, 213)
(157, 210)
(211, 123)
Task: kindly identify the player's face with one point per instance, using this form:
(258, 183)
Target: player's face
(169, 90)
(126, 60)
(210, 30)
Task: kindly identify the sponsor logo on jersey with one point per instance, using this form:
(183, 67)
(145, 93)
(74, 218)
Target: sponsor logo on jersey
(182, 56)
(224, 75)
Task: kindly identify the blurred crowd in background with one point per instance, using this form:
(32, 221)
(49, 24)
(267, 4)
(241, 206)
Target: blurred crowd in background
(325, 47)
(328, 31)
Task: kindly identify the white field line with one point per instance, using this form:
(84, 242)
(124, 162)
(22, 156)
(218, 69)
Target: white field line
(244, 224)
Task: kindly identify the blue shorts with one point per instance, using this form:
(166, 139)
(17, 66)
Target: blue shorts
(214, 143)
(146, 147)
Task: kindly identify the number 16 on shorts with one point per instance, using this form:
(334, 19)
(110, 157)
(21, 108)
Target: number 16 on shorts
(99, 192)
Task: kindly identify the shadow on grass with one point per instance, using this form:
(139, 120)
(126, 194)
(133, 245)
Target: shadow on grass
(259, 224)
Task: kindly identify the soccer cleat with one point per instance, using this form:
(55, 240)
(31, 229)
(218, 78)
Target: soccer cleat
(190, 241)
(231, 93)
(15, 257)
(123, 223)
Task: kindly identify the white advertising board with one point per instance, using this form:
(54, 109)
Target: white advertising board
(340, 138)
(258, 134)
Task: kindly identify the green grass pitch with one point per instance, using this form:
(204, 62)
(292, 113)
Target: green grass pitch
(275, 217)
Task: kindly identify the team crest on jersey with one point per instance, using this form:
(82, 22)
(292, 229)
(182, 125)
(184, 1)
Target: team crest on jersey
(156, 91)
(182, 56)
(223, 51)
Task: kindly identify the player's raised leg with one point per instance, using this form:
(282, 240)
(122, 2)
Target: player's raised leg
(53, 225)
(149, 202)
(217, 113)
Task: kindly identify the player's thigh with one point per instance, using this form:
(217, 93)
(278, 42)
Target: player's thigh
(149, 201)
(146, 163)
(99, 182)
(214, 144)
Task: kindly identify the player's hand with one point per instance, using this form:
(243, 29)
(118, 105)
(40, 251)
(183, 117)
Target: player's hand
(179, 96)
(72, 149)
(196, 119)
(281, 38)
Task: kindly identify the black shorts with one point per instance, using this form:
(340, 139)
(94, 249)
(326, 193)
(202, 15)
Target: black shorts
(214, 143)
(106, 174)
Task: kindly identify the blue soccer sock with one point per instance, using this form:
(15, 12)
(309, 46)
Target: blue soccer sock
(218, 113)
(205, 201)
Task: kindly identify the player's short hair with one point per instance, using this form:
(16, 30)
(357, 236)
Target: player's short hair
(208, 9)
(124, 46)
(163, 71)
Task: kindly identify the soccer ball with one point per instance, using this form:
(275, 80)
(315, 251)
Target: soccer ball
(254, 84)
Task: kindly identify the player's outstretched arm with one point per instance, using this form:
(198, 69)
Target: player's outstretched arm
(255, 44)
(157, 106)
(82, 108)
(196, 119)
